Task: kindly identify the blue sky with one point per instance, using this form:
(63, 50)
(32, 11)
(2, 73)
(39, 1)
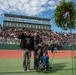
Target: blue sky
(38, 8)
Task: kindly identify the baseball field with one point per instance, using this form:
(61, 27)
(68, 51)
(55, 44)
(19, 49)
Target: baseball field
(63, 63)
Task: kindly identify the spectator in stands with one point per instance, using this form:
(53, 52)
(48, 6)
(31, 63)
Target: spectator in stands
(8, 36)
(27, 44)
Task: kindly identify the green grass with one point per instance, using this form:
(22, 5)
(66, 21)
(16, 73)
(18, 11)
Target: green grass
(60, 66)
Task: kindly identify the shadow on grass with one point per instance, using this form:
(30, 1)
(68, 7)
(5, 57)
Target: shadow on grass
(10, 72)
(17, 72)
(55, 67)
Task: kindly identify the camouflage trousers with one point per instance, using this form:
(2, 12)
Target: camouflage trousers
(26, 54)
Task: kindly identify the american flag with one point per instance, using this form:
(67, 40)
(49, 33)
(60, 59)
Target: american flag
(65, 14)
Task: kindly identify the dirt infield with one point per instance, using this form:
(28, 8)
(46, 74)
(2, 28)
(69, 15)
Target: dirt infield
(18, 54)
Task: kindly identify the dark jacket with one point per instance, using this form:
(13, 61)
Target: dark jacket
(27, 42)
(41, 50)
(37, 40)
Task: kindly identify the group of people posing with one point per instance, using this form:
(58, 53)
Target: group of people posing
(35, 43)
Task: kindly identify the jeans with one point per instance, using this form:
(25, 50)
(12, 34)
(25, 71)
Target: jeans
(44, 60)
(26, 54)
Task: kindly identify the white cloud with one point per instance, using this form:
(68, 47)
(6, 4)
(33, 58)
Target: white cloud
(28, 7)
(51, 2)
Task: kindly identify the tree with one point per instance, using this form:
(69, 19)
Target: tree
(65, 15)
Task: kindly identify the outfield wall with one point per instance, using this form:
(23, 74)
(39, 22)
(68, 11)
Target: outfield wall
(17, 47)
(9, 47)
